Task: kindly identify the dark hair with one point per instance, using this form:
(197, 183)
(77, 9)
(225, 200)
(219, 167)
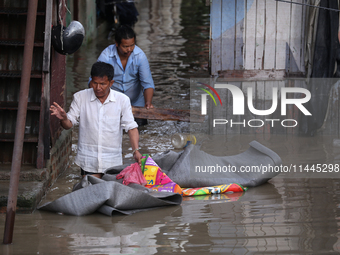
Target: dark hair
(124, 32)
(101, 69)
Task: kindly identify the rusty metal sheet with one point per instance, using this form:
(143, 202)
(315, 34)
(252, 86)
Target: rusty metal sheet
(58, 82)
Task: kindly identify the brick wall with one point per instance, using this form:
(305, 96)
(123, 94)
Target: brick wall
(59, 159)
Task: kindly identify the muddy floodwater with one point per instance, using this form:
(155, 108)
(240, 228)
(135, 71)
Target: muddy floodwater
(287, 215)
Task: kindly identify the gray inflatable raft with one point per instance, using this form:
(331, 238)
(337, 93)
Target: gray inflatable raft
(108, 195)
(194, 168)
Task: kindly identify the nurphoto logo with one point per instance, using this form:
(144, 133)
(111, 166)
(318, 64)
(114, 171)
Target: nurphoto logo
(238, 104)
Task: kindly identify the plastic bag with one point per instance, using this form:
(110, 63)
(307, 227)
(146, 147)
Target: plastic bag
(153, 173)
(169, 187)
(233, 187)
(132, 174)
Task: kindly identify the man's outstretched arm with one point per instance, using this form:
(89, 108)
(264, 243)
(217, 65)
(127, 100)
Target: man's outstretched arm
(59, 112)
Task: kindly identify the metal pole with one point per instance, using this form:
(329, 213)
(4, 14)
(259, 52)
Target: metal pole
(21, 120)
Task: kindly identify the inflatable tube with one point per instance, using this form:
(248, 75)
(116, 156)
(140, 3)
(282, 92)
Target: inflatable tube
(251, 168)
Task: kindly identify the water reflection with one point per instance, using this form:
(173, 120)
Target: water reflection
(290, 216)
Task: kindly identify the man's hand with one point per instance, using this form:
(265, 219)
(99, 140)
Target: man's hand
(138, 157)
(134, 138)
(149, 105)
(59, 112)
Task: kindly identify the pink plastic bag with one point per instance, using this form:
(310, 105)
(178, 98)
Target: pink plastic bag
(132, 174)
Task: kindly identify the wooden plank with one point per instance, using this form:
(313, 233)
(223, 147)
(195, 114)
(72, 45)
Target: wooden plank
(282, 34)
(239, 40)
(299, 83)
(215, 28)
(247, 114)
(9, 137)
(250, 35)
(259, 104)
(228, 34)
(290, 108)
(47, 40)
(297, 114)
(270, 126)
(236, 127)
(296, 48)
(278, 129)
(167, 114)
(303, 27)
(221, 112)
(254, 74)
(268, 104)
(260, 32)
(44, 120)
(269, 37)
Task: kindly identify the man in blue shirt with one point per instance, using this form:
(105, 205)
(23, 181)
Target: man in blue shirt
(132, 71)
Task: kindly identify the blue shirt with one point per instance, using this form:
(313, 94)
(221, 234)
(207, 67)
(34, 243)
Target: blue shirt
(135, 78)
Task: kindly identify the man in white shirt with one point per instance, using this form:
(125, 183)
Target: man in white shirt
(101, 113)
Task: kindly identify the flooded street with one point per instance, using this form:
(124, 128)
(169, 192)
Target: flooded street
(283, 216)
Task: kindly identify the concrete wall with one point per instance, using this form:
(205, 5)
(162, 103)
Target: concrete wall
(85, 13)
(87, 17)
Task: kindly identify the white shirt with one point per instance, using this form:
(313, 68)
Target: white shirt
(100, 128)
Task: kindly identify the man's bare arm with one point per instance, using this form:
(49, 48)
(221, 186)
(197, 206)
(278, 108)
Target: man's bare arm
(134, 139)
(59, 112)
(148, 94)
